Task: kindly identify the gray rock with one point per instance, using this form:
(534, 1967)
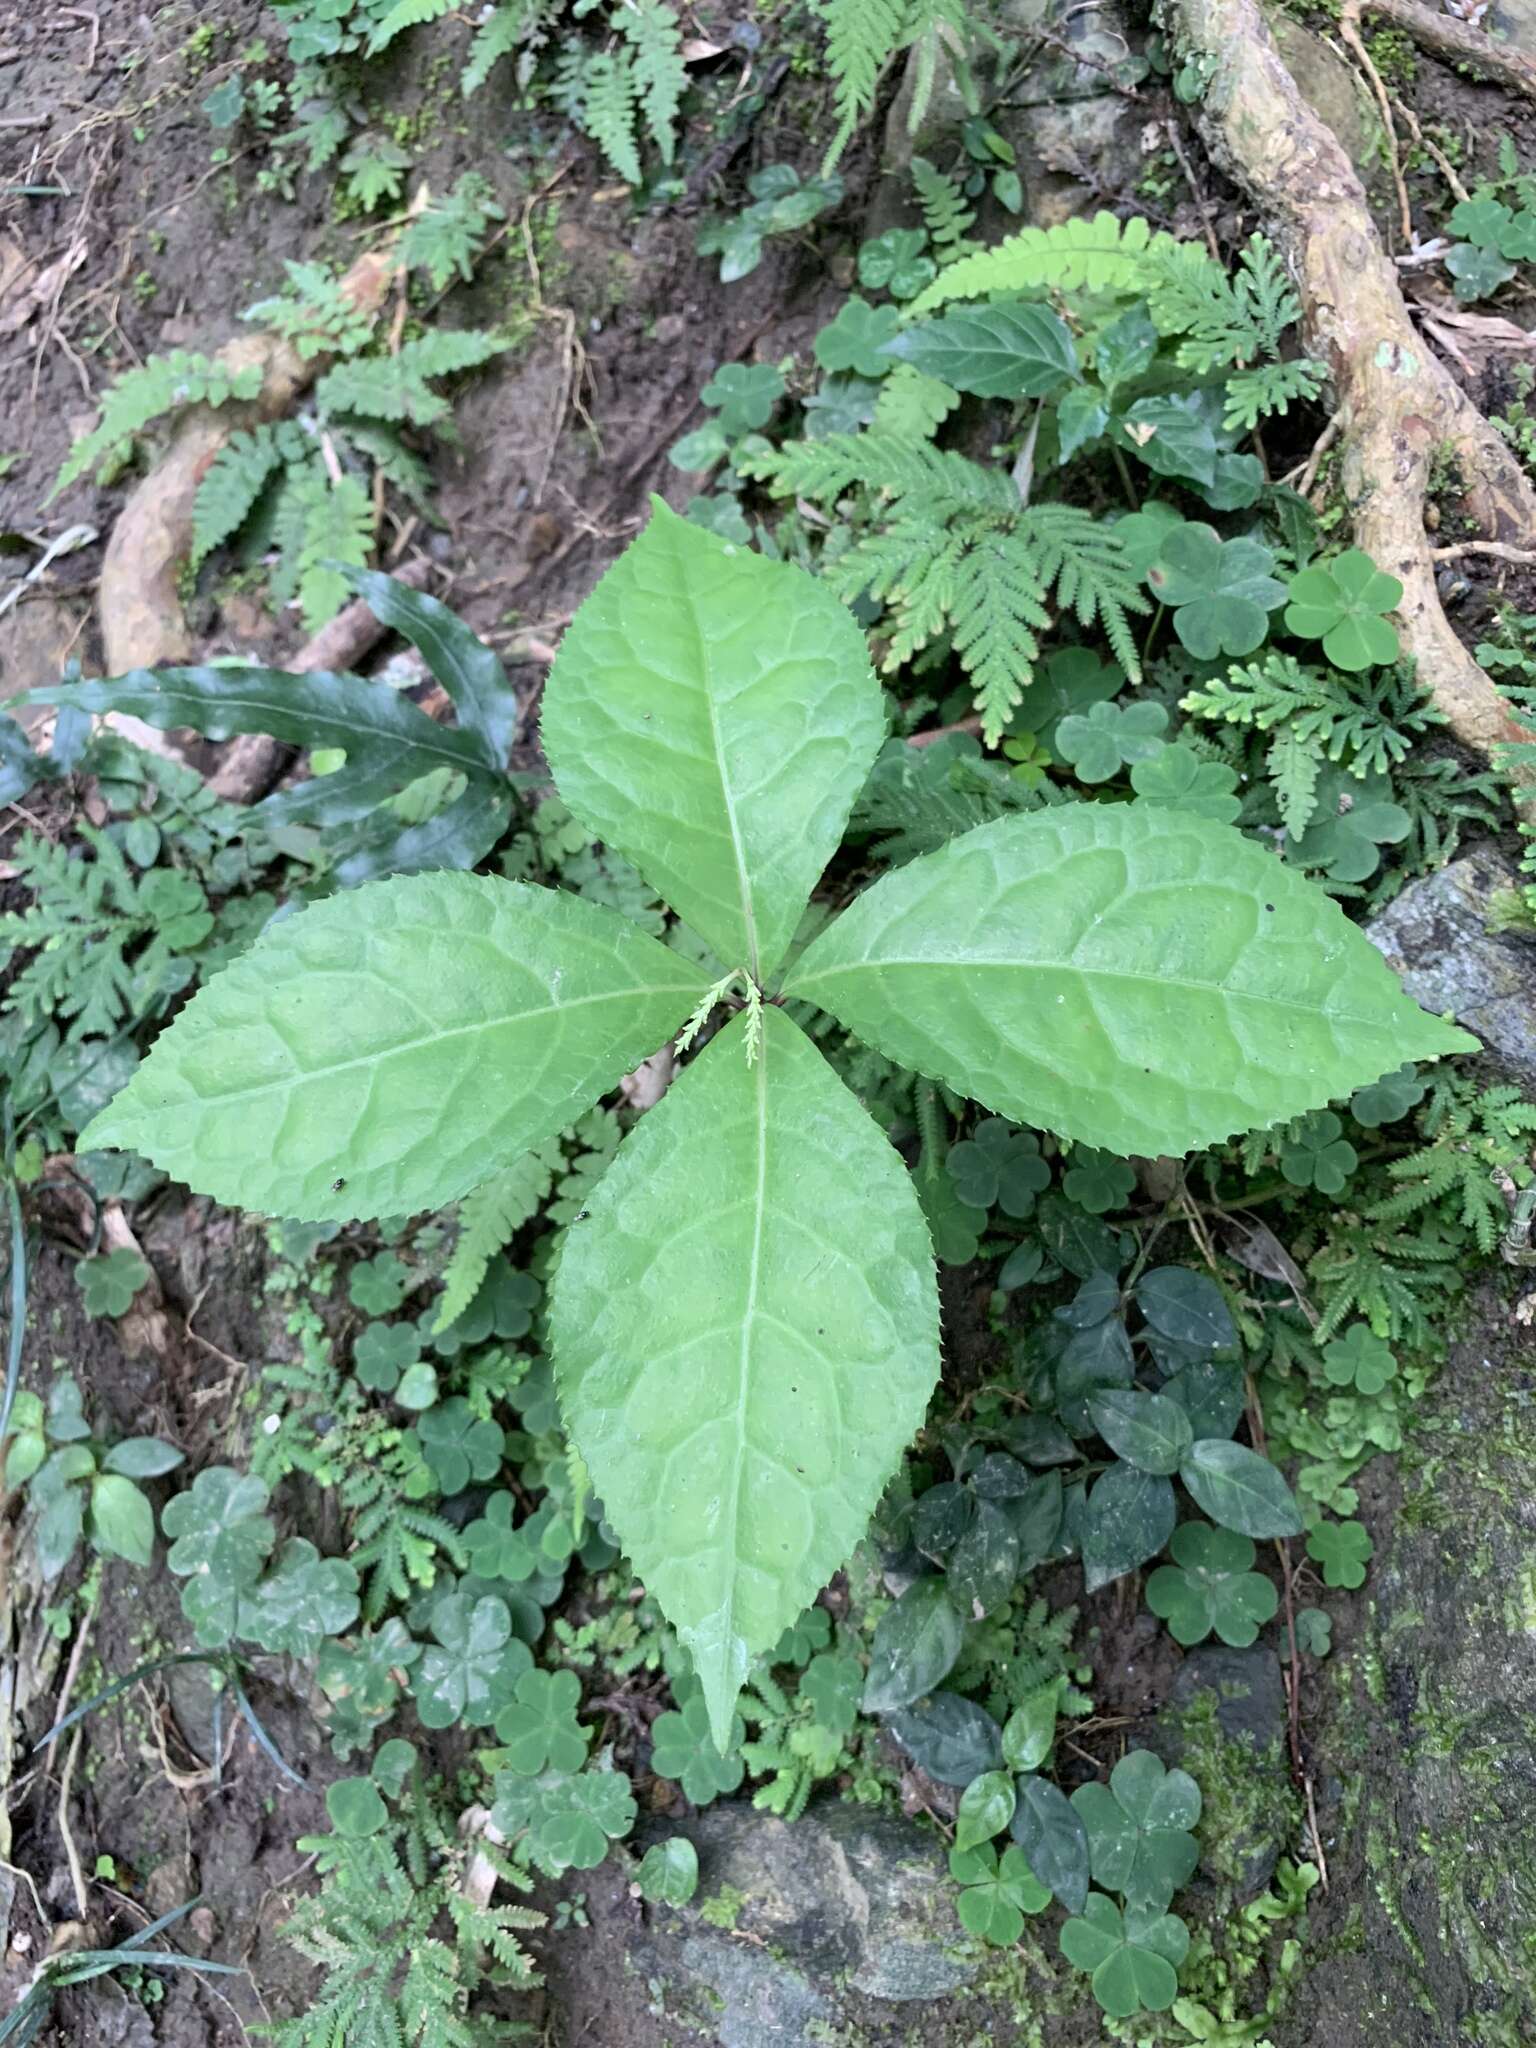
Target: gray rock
(1435, 936)
(1226, 1725)
(842, 1902)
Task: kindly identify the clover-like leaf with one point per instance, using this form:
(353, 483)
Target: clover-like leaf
(382, 1352)
(999, 1167)
(897, 262)
(1132, 1958)
(538, 1731)
(109, 1281)
(458, 1445)
(496, 1550)
(1138, 1828)
(998, 1892)
(1316, 1154)
(1388, 1100)
(356, 1807)
(1222, 591)
(665, 721)
(377, 1286)
(832, 1686)
(1478, 271)
(986, 1807)
(1104, 739)
(472, 1670)
(1211, 1586)
(1008, 350)
(369, 1671)
(743, 394)
(567, 1821)
(1314, 1633)
(1070, 681)
(738, 1386)
(1355, 817)
(219, 1538)
(1239, 1489)
(1341, 603)
(669, 1872)
(811, 1632)
(954, 1226)
(856, 340)
(1343, 1549)
(1098, 1181)
(684, 1749)
(1178, 780)
(303, 1599)
(1359, 1359)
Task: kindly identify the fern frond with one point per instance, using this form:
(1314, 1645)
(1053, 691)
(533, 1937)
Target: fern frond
(1085, 560)
(862, 37)
(1293, 765)
(608, 110)
(496, 38)
(236, 478)
(406, 14)
(946, 216)
(488, 1219)
(999, 607)
(1097, 254)
(338, 529)
(164, 384)
(659, 75)
(1252, 395)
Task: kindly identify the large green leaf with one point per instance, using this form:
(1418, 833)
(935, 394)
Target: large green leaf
(388, 743)
(385, 1050)
(745, 1332)
(713, 715)
(1132, 977)
(1004, 351)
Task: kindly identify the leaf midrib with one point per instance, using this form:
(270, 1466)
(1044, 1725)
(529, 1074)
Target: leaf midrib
(748, 1320)
(796, 985)
(743, 881)
(424, 1040)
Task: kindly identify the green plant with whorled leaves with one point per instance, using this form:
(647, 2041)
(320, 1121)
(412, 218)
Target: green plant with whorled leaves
(744, 1318)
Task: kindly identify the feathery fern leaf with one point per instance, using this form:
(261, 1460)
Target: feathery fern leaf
(163, 384)
(235, 480)
(338, 529)
(946, 217)
(659, 74)
(608, 111)
(490, 1218)
(862, 37)
(1097, 254)
(512, 23)
(403, 15)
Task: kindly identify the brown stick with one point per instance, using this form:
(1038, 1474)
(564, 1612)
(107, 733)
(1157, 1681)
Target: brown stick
(251, 761)
(1460, 42)
(142, 623)
(1398, 405)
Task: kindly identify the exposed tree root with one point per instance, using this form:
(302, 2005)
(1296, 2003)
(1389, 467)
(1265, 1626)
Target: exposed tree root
(142, 623)
(1459, 42)
(1398, 406)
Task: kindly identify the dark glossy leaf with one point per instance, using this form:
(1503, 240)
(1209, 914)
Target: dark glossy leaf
(468, 670)
(1036, 1518)
(387, 741)
(1211, 1393)
(1188, 1307)
(1130, 1517)
(1000, 351)
(1240, 1490)
(1148, 1430)
(984, 1564)
(1054, 1840)
(949, 1737)
(915, 1647)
